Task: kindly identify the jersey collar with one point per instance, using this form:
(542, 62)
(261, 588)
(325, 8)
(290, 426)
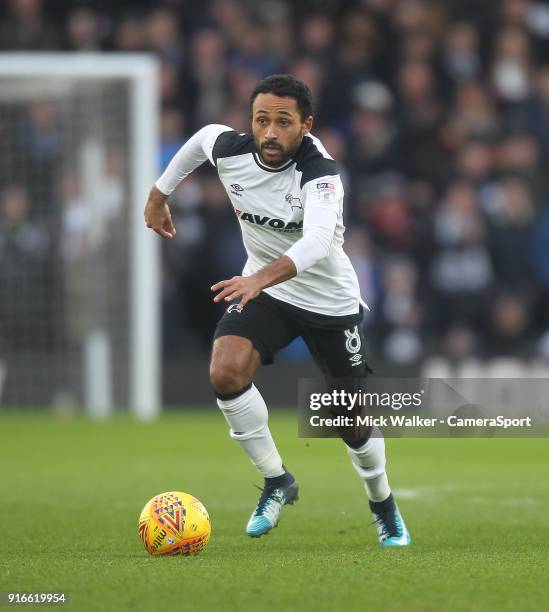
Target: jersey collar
(269, 168)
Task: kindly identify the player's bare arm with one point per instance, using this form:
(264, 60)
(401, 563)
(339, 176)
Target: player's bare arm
(249, 287)
(157, 214)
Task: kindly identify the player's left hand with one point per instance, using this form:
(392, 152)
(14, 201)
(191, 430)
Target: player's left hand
(244, 287)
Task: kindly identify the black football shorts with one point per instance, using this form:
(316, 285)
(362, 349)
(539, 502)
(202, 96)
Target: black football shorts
(336, 343)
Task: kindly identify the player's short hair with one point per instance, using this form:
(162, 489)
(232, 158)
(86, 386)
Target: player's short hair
(286, 86)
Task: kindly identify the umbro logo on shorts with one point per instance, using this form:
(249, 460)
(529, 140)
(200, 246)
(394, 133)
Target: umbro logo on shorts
(234, 308)
(356, 359)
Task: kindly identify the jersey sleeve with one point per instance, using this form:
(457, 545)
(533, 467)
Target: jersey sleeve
(322, 207)
(192, 154)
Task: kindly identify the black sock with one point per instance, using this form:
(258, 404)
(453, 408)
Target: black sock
(384, 506)
(231, 396)
(354, 444)
(279, 481)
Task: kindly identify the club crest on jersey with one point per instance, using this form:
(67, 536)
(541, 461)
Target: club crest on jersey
(325, 192)
(293, 202)
(237, 189)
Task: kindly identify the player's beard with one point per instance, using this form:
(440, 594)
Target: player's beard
(285, 154)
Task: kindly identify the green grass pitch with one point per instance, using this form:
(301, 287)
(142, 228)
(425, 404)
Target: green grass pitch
(71, 492)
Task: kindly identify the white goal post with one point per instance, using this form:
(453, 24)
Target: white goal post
(140, 71)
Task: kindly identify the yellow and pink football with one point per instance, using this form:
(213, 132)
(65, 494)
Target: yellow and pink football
(174, 523)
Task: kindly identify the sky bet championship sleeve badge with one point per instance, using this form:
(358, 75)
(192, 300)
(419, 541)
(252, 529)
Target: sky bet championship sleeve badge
(325, 192)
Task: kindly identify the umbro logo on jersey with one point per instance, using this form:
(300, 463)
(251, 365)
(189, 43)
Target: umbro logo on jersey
(276, 224)
(293, 202)
(236, 189)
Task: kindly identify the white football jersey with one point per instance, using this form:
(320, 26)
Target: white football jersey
(270, 204)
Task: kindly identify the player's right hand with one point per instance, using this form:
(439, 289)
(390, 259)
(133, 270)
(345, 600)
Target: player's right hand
(158, 216)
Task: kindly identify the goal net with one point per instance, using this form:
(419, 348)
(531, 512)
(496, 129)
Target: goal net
(79, 316)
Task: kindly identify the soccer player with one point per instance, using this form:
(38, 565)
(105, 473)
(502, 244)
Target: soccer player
(287, 195)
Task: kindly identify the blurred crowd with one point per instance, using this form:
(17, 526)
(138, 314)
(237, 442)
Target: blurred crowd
(437, 112)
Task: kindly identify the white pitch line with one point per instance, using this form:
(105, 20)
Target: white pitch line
(434, 491)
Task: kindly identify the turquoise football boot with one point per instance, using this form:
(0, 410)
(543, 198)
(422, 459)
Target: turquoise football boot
(267, 511)
(391, 528)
